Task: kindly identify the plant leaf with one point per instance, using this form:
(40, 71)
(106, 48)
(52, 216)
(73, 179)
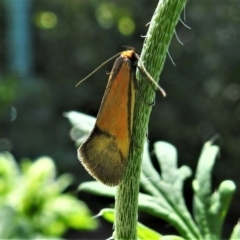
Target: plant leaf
(97, 188)
(236, 232)
(202, 188)
(82, 125)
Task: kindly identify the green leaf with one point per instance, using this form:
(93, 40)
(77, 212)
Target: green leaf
(171, 237)
(81, 120)
(107, 214)
(82, 125)
(219, 205)
(32, 205)
(9, 174)
(143, 232)
(146, 233)
(202, 182)
(67, 212)
(97, 188)
(236, 232)
(167, 201)
(202, 190)
(166, 155)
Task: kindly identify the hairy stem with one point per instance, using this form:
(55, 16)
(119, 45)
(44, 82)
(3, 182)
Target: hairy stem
(153, 56)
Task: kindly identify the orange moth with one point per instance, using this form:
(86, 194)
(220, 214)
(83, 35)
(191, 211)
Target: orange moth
(105, 152)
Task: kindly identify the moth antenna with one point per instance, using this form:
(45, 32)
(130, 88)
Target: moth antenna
(111, 58)
(150, 77)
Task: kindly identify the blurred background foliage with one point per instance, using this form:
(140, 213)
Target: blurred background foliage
(32, 203)
(46, 47)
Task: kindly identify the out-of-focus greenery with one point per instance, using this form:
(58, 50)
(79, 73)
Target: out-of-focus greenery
(8, 92)
(32, 202)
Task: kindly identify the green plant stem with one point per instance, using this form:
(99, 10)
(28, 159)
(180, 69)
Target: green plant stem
(153, 56)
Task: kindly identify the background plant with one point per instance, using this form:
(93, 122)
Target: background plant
(163, 194)
(32, 202)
